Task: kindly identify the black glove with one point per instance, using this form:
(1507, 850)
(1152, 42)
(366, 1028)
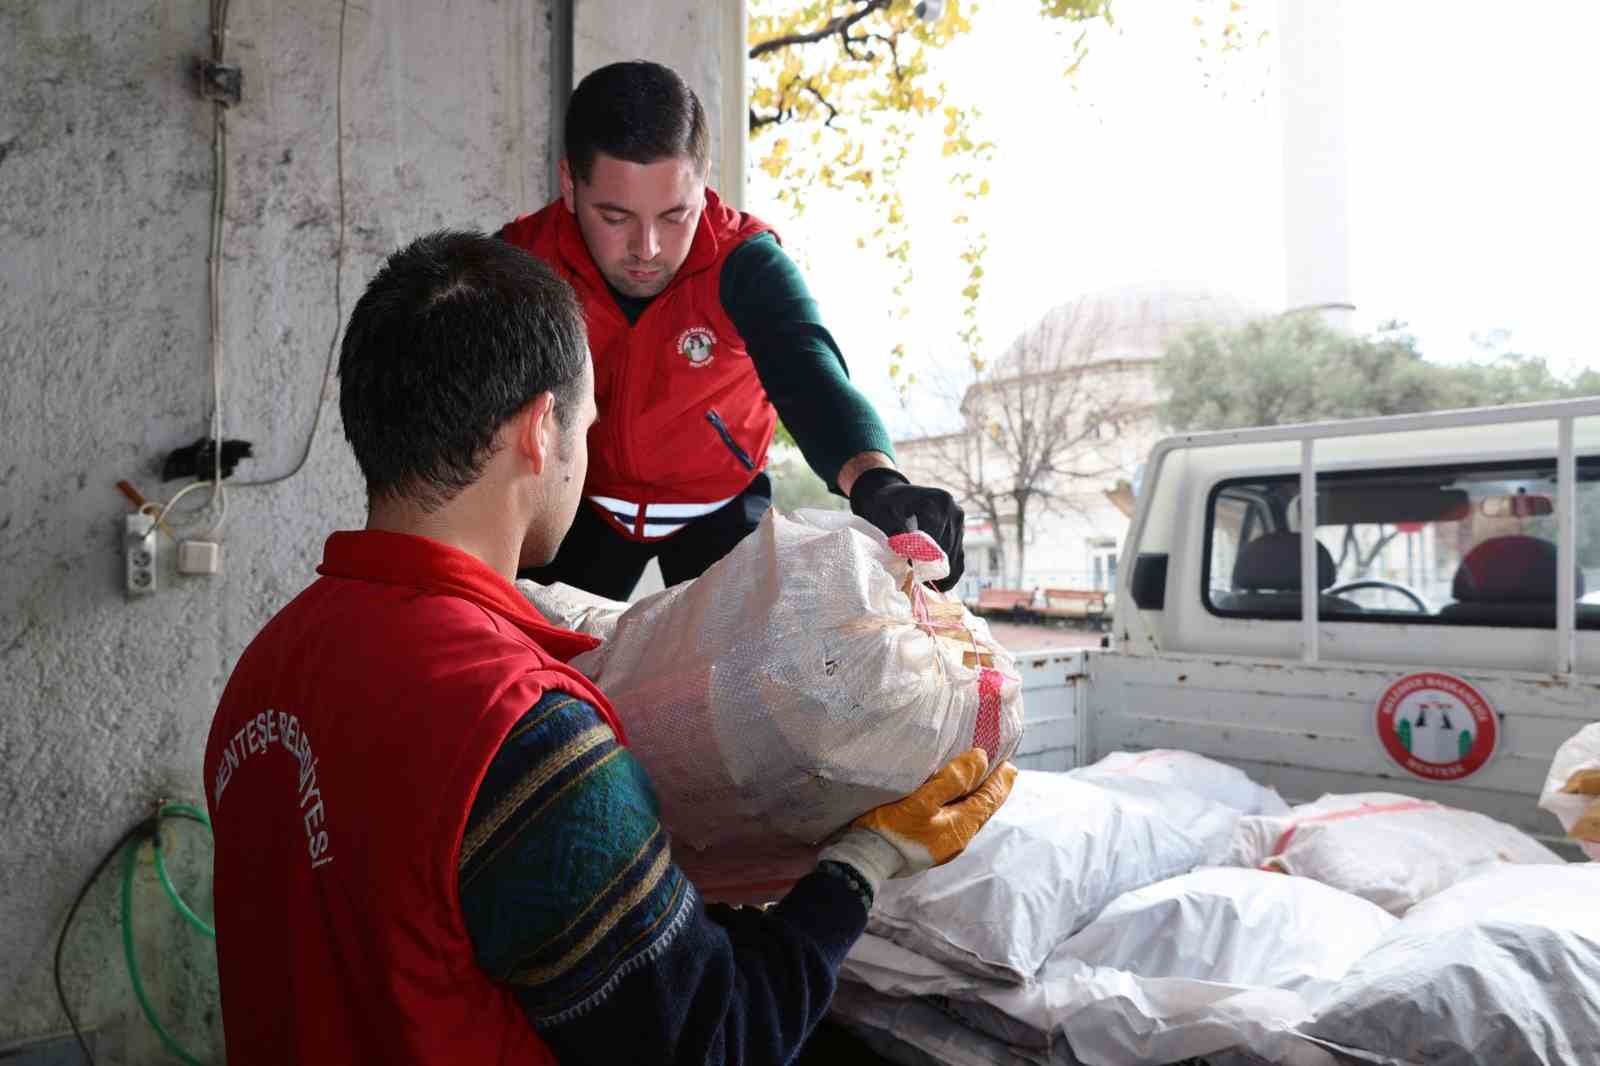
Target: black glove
(886, 499)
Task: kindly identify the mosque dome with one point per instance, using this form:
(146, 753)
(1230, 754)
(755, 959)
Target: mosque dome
(1122, 323)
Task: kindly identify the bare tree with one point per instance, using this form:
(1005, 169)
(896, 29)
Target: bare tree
(1037, 424)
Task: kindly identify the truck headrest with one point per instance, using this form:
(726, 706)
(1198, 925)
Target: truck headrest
(1273, 562)
(1509, 569)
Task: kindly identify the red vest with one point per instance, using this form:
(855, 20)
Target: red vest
(340, 770)
(683, 416)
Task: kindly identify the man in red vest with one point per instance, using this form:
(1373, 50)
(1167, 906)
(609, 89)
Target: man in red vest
(432, 845)
(703, 334)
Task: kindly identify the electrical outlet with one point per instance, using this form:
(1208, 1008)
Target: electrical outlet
(139, 551)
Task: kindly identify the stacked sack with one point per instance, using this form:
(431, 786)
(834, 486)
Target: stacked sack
(1090, 922)
(1495, 960)
(1503, 967)
(1391, 849)
(1572, 789)
(807, 677)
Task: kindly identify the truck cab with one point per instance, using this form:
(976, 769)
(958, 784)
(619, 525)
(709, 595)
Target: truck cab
(1386, 604)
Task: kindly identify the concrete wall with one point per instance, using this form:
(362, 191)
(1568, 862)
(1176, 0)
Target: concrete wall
(105, 186)
(704, 42)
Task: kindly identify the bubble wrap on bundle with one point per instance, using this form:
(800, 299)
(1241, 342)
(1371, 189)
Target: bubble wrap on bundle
(802, 680)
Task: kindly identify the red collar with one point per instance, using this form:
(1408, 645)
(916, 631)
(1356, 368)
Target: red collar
(431, 566)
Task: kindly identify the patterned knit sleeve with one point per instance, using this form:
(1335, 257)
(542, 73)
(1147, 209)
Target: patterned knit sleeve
(571, 898)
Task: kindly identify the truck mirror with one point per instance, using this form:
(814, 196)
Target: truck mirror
(1522, 505)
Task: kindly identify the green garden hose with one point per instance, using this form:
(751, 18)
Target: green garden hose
(179, 810)
(182, 810)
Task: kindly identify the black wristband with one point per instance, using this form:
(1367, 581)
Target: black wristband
(870, 481)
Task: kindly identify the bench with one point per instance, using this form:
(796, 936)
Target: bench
(1087, 605)
(1004, 601)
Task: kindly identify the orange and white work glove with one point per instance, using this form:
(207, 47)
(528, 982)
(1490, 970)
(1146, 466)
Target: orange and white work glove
(929, 827)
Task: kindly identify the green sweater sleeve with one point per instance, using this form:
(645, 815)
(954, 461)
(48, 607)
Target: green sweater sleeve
(797, 360)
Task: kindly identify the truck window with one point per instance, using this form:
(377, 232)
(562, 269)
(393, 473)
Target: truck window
(1467, 545)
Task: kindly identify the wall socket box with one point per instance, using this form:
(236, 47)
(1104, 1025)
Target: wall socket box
(199, 557)
(139, 552)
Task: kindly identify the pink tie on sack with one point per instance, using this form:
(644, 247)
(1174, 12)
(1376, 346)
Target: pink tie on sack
(917, 547)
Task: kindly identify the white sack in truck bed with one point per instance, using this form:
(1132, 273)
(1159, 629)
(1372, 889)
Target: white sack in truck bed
(1393, 850)
(1572, 791)
(1062, 847)
(1501, 968)
(1217, 782)
(800, 681)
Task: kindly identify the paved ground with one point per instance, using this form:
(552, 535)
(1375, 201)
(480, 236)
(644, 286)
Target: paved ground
(1016, 637)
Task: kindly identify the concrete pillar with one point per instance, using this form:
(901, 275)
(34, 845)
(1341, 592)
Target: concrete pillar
(696, 40)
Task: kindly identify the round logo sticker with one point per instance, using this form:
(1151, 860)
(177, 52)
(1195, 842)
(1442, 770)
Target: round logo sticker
(1437, 727)
(695, 344)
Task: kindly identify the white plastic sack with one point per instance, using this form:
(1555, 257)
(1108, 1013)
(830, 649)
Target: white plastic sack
(1111, 1018)
(803, 679)
(1075, 1012)
(1501, 968)
(573, 608)
(1393, 850)
(1237, 927)
(916, 1033)
(1572, 790)
(1215, 959)
(1216, 781)
(1048, 861)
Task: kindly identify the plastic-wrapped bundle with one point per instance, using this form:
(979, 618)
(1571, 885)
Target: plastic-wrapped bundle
(1572, 791)
(1048, 862)
(1503, 967)
(805, 678)
(1393, 850)
(1216, 781)
(573, 608)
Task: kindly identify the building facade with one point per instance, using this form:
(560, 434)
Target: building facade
(1047, 458)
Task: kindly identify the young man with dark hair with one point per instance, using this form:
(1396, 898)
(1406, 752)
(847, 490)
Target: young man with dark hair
(432, 844)
(703, 334)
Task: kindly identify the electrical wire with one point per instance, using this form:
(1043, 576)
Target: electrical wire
(146, 829)
(218, 502)
(149, 827)
(165, 509)
(338, 268)
(218, 220)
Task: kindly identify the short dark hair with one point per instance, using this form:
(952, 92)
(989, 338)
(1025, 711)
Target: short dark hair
(638, 111)
(456, 334)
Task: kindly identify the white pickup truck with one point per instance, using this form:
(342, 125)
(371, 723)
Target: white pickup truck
(1389, 604)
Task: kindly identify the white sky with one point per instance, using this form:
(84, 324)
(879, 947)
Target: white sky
(1474, 179)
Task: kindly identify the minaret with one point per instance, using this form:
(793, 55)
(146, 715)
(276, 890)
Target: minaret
(1315, 179)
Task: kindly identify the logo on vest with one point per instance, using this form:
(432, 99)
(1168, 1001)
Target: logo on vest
(695, 344)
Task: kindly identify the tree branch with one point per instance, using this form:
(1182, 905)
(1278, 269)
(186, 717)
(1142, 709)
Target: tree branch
(757, 121)
(840, 25)
(833, 112)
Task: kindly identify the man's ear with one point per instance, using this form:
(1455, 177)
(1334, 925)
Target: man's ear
(537, 432)
(567, 196)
